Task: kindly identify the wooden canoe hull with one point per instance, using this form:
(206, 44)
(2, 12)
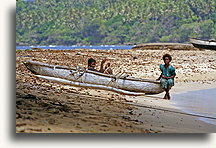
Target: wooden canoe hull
(203, 44)
(64, 74)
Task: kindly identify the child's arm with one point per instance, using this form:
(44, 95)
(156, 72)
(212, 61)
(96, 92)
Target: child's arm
(159, 77)
(171, 77)
(102, 64)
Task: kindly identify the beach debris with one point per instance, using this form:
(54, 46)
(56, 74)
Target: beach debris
(29, 96)
(37, 101)
(20, 124)
(134, 58)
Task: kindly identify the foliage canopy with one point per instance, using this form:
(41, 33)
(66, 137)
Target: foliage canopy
(69, 22)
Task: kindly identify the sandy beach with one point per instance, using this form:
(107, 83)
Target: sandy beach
(46, 107)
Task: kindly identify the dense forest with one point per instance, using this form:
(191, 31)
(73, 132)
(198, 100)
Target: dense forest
(93, 22)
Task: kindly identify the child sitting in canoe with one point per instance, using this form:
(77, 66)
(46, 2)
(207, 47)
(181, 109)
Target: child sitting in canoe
(167, 76)
(92, 65)
(107, 69)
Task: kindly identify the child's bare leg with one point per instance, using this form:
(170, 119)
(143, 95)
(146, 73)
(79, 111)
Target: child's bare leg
(168, 95)
(165, 96)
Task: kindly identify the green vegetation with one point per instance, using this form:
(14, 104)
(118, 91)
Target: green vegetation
(69, 22)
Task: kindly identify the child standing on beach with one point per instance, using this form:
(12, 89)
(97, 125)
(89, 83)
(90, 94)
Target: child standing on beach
(167, 76)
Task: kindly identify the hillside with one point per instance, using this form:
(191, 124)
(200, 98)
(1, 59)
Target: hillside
(92, 22)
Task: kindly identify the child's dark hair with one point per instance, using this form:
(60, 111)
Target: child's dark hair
(168, 56)
(91, 60)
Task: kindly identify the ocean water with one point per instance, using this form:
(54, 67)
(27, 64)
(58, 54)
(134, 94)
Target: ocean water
(54, 47)
(201, 102)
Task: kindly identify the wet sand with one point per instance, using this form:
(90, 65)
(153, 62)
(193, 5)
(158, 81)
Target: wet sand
(43, 106)
(176, 115)
(199, 102)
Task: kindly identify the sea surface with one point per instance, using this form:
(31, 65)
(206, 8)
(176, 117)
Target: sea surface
(201, 102)
(54, 47)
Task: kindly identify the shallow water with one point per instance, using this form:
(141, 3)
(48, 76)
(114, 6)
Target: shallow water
(55, 47)
(201, 102)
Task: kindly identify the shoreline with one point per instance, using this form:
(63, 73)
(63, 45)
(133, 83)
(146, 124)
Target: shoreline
(187, 118)
(172, 120)
(179, 88)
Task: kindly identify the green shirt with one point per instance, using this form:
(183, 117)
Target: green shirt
(170, 71)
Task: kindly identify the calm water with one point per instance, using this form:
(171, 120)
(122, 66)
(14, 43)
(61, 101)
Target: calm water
(102, 47)
(201, 102)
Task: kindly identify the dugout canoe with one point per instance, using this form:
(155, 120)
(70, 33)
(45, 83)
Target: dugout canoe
(81, 77)
(203, 44)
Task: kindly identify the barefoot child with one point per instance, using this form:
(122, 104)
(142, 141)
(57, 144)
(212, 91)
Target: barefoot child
(167, 76)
